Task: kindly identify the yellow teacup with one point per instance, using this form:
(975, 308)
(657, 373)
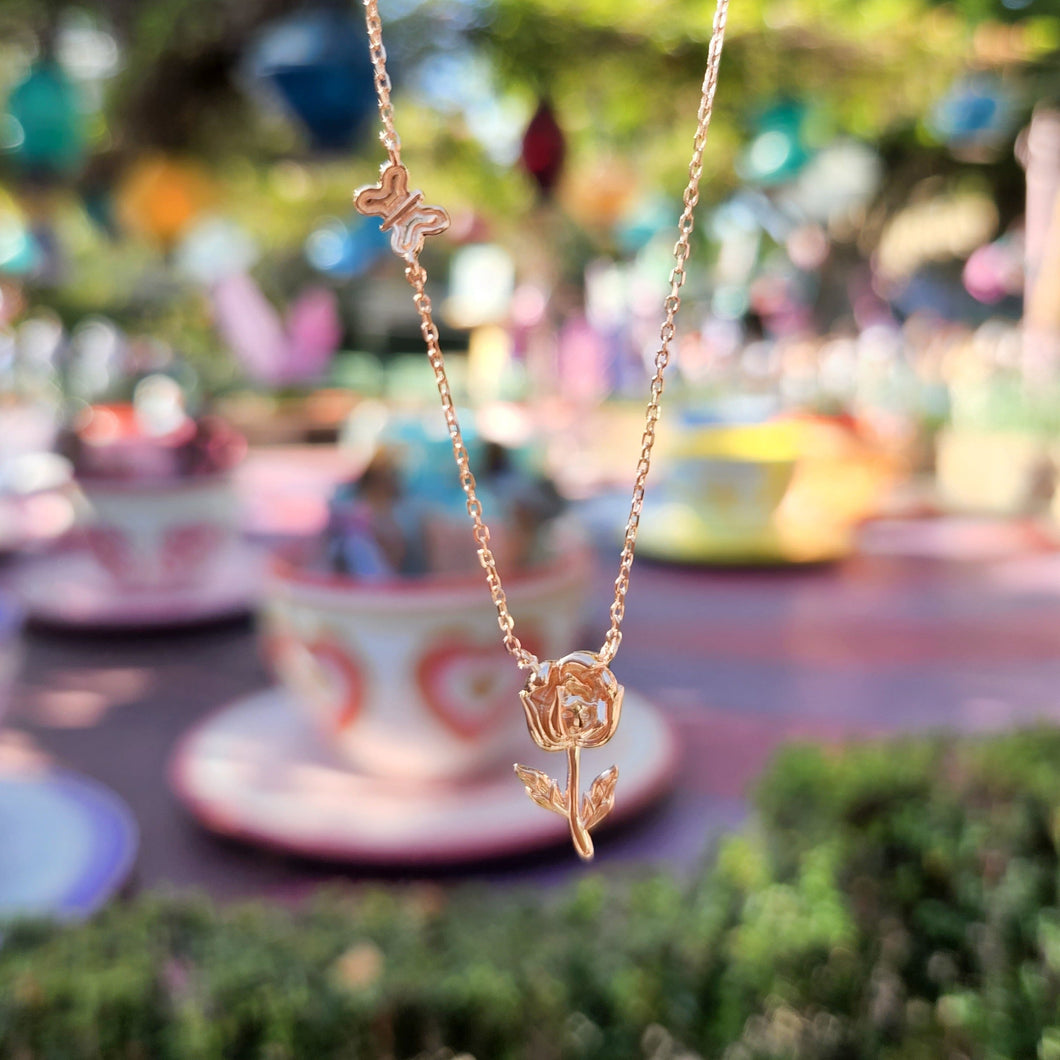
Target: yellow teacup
(734, 476)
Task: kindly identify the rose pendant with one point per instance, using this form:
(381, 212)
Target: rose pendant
(572, 703)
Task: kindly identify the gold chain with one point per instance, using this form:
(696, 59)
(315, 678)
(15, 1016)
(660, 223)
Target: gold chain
(417, 278)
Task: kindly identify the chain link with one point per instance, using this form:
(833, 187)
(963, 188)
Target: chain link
(682, 249)
(417, 278)
(416, 275)
(388, 134)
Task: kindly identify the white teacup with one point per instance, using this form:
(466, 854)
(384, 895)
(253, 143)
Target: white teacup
(409, 680)
(161, 535)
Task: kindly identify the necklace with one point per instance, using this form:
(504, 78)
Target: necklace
(574, 703)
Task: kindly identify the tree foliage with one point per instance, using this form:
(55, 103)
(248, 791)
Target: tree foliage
(620, 72)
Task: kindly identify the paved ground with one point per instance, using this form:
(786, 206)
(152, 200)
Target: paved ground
(947, 623)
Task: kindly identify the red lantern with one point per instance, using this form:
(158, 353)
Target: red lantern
(544, 147)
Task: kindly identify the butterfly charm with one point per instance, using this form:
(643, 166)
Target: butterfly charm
(402, 211)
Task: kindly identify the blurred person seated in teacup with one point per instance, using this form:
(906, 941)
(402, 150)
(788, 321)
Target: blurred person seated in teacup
(530, 503)
(375, 530)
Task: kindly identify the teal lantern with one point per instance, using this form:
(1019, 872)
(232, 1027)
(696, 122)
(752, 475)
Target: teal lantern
(44, 124)
(777, 152)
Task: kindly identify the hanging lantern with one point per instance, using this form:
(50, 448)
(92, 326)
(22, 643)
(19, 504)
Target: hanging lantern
(43, 127)
(346, 249)
(544, 148)
(160, 198)
(976, 112)
(317, 64)
(777, 152)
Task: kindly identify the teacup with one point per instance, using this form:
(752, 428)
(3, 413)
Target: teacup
(161, 507)
(734, 476)
(165, 534)
(408, 680)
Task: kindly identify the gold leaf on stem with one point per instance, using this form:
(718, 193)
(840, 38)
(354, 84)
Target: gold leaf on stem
(600, 798)
(542, 788)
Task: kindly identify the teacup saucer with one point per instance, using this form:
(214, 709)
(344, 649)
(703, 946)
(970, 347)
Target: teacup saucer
(66, 843)
(256, 770)
(68, 590)
(958, 538)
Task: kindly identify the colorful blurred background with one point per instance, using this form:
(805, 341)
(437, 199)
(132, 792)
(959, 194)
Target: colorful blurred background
(255, 766)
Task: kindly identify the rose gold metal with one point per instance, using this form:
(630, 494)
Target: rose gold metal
(685, 225)
(403, 213)
(410, 222)
(571, 704)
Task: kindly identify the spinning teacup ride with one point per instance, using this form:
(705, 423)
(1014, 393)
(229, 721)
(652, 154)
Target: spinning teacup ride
(159, 533)
(391, 734)
(787, 491)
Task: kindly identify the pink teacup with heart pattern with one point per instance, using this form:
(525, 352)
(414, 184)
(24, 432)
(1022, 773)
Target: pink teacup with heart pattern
(162, 535)
(160, 507)
(409, 679)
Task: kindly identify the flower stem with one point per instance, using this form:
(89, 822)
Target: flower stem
(578, 832)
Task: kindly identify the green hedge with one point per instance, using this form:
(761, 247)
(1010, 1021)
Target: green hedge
(893, 901)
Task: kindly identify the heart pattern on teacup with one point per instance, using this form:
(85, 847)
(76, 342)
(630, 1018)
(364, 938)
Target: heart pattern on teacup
(112, 550)
(325, 671)
(468, 687)
(186, 548)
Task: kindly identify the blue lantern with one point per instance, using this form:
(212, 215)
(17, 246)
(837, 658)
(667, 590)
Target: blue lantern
(345, 250)
(976, 111)
(317, 63)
